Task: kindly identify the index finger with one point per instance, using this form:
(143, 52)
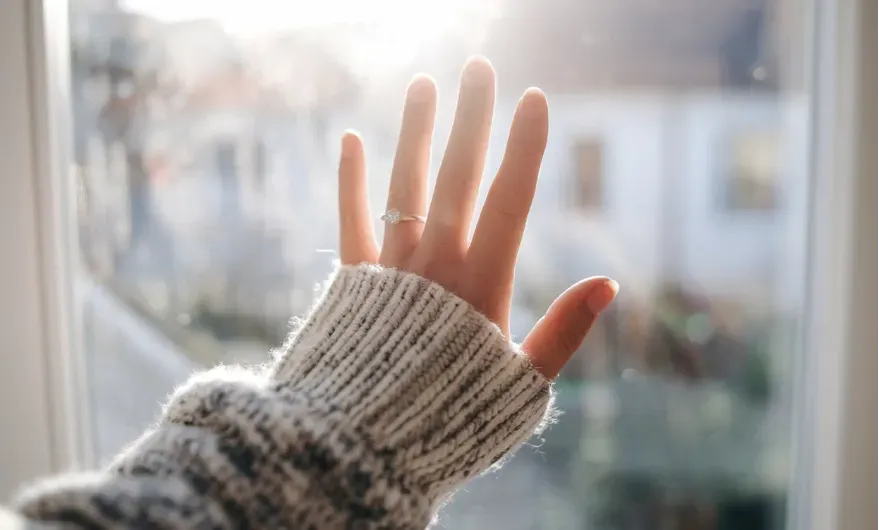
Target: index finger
(491, 258)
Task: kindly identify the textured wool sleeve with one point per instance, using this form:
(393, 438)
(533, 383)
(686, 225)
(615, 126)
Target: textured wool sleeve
(391, 394)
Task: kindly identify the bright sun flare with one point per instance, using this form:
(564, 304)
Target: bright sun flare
(395, 29)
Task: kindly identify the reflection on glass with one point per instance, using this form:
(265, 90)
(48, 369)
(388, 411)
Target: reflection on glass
(205, 143)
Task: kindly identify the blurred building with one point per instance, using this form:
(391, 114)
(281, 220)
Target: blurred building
(679, 45)
(676, 164)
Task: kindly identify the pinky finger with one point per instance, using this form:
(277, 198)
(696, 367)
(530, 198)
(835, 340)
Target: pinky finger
(560, 332)
(356, 236)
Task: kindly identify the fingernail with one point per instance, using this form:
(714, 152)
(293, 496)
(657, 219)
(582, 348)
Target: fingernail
(421, 89)
(349, 143)
(602, 296)
(477, 72)
(533, 103)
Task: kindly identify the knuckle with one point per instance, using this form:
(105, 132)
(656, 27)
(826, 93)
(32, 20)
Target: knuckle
(506, 211)
(441, 267)
(569, 341)
(572, 331)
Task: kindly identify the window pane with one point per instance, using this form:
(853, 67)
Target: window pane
(206, 137)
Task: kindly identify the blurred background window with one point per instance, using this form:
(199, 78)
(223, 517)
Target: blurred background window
(205, 140)
(587, 194)
(755, 168)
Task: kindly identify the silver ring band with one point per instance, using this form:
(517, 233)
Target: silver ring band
(394, 216)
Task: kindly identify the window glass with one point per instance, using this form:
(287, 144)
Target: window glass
(205, 141)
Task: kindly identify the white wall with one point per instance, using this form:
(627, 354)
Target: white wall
(624, 239)
(653, 143)
(729, 252)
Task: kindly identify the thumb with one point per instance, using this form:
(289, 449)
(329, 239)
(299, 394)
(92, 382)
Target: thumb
(560, 332)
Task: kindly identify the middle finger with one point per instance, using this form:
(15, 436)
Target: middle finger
(454, 197)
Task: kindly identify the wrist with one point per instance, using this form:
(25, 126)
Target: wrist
(434, 384)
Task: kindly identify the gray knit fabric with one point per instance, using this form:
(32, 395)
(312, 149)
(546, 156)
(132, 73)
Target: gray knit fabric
(391, 394)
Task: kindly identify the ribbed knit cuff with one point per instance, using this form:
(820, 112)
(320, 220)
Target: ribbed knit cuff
(392, 393)
(439, 390)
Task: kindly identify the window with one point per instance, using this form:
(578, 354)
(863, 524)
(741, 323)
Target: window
(588, 177)
(752, 180)
(684, 423)
(640, 412)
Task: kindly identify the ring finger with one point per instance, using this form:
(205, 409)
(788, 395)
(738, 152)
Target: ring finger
(408, 188)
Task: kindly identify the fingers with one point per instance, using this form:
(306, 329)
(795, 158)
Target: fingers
(491, 258)
(454, 197)
(560, 332)
(408, 189)
(356, 236)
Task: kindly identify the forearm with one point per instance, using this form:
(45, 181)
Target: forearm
(231, 452)
(392, 394)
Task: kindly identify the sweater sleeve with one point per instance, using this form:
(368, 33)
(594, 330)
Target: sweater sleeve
(391, 394)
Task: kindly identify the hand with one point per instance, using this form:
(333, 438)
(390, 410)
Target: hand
(479, 271)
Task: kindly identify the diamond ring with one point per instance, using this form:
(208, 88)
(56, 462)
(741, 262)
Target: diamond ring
(393, 216)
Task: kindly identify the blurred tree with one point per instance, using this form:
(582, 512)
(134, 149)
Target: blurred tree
(118, 81)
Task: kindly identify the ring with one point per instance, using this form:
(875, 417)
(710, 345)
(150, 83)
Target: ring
(393, 216)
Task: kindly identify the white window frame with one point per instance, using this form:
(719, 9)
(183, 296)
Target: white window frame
(43, 413)
(834, 477)
(43, 410)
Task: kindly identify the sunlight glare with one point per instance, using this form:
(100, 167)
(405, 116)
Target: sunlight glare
(388, 33)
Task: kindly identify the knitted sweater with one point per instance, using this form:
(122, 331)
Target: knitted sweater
(390, 395)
